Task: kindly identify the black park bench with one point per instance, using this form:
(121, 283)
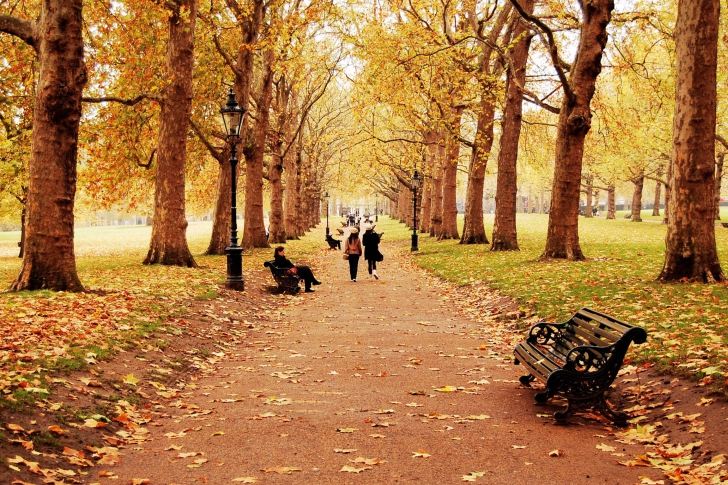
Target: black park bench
(578, 360)
(286, 282)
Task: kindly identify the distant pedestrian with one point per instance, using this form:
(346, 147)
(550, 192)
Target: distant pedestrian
(370, 240)
(354, 250)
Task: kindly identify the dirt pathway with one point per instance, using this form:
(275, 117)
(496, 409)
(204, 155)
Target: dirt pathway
(367, 382)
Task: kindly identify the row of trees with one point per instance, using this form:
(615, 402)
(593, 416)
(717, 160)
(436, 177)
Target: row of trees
(460, 67)
(126, 97)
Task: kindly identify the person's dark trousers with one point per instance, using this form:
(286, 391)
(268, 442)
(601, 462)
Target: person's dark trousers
(372, 265)
(353, 265)
(307, 275)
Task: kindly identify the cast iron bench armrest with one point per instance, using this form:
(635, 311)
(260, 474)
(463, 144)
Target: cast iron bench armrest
(545, 333)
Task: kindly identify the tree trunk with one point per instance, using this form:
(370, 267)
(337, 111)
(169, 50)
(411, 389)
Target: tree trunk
(290, 168)
(690, 252)
(21, 244)
(588, 179)
(436, 193)
(449, 228)
(658, 193)
(430, 138)
(718, 182)
(562, 240)
(49, 260)
(505, 236)
(221, 221)
(611, 202)
(169, 238)
(474, 227)
(639, 183)
(254, 227)
(276, 224)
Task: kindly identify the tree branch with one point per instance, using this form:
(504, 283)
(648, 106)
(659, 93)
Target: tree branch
(228, 60)
(722, 141)
(127, 102)
(214, 151)
(23, 29)
(553, 51)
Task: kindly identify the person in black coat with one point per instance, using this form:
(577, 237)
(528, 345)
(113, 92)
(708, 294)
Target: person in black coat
(370, 240)
(304, 272)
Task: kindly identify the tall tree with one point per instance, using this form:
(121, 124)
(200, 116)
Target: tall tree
(505, 237)
(690, 252)
(56, 35)
(169, 239)
(562, 240)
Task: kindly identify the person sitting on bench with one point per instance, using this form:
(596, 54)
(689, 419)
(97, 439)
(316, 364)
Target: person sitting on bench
(333, 242)
(304, 272)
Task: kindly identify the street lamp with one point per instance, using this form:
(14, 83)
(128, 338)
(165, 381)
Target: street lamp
(232, 120)
(376, 215)
(415, 185)
(326, 196)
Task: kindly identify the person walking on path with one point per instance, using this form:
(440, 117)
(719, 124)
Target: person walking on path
(354, 250)
(304, 272)
(370, 240)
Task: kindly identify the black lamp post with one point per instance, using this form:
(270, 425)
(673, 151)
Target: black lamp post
(376, 214)
(232, 119)
(415, 185)
(326, 196)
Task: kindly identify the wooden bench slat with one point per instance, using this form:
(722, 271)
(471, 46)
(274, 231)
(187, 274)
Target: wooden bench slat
(593, 335)
(535, 358)
(619, 327)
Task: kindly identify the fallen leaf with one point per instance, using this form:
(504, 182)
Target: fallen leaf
(420, 454)
(556, 453)
(351, 469)
(281, 470)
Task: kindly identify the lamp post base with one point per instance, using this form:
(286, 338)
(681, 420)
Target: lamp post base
(234, 279)
(414, 243)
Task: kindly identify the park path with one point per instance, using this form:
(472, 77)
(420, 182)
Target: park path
(382, 378)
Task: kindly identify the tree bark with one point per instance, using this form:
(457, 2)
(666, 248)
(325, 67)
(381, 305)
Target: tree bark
(449, 227)
(169, 238)
(690, 253)
(436, 193)
(718, 182)
(254, 228)
(639, 183)
(49, 260)
(505, 236)
(290, 168)
(562, 240)
(430, 138)
(22, 232)
(589, 181)
(658, 193)
(222, 217)
(276, 223)
(611, 202)
(474, 227)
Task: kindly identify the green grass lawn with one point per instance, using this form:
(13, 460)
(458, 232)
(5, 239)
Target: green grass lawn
(687, 323)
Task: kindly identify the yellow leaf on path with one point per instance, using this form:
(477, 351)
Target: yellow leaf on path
(130, 379)
(92, 423)
(351, 469)
(420, 454)
(189, 455)
(15, 427)
(218, 433)
(281, 470)
(447, 389)
(245, 479)
(556, 453)
(603, 447)
(339, 450)
(478, 416)
(375, 435)
(368, 461)
(347, 430)
(140, 481)
(55, 429)
(472, 476)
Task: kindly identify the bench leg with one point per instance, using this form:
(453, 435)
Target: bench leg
(526, 380)
(563, 415)
(618, 417)
(544, 396)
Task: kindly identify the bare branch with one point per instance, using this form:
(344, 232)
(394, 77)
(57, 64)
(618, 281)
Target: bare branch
(215, 152)
(128, 102)
(553, 50)
(228, 60)
(722, 141)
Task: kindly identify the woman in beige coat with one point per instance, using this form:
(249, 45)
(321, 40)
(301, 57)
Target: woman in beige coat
(354, 249)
